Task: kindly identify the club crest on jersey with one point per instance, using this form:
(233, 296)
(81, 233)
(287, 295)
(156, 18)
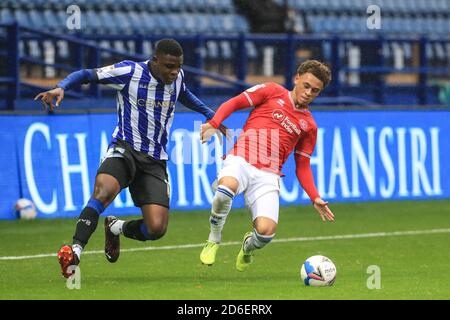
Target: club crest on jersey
(277, 115)
(106, 69)
(303, 125)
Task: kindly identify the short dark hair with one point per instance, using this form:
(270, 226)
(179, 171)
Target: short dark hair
(318, 69)
(168, 46)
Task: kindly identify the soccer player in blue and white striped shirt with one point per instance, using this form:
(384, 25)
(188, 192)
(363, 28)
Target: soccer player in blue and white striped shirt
(136, 158)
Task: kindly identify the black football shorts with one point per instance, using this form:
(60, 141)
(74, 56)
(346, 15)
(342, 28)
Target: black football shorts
(146, 177)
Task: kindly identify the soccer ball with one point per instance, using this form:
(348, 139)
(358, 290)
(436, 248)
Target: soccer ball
(318, 271)
(25, 209)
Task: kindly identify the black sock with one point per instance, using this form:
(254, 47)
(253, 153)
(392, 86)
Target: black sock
(132, 229)
(86, 225)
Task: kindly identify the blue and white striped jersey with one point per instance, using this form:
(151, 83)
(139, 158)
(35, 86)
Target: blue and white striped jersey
(145, 105)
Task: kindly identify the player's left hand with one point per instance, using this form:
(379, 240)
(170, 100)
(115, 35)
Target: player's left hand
(207, 131)
(324, 212)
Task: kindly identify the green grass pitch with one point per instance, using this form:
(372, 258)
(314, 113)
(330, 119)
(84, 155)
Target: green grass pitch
(412, 266)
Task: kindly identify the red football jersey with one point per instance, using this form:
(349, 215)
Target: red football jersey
(274, 128)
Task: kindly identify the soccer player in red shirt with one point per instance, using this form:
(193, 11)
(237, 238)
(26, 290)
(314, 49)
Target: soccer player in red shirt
(279, 124)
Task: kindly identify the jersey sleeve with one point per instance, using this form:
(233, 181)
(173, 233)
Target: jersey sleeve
(306, 144)
(116, 76)
(256, 95)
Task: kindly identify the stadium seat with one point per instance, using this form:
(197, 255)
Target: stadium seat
(201, 23)
(176, 23)
(226, 51)
(6, 16)
(240, 24)
(218, 6)
(34, 49)
(51, 21)
(212, 49)
(92, 23)
(122, 23)
(22, 18)
(189, 23)
(227, 6)
(37, 20)
(147, 23)
(215, 23)
(440, 51)
(176, 6)
(252, 51)
(161, 24)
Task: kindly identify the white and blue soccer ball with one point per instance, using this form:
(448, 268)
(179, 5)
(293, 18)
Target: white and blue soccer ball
(25, 209)
(318, 271)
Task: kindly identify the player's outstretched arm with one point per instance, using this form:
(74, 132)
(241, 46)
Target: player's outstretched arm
(306, 179)
(75, 78)
(323, 210)
(48, 96)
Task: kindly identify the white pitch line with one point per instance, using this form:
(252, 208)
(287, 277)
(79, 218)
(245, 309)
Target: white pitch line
(301, 239)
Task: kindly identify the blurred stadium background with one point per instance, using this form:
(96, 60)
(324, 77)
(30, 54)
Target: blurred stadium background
(384, 120)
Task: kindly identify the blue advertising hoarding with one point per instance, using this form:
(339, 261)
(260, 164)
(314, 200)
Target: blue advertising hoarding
(359, 156)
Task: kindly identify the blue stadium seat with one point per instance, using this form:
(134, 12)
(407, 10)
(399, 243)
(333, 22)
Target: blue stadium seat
(37, 20)
(147, 23)
(51, 21)
(215, 6)
(386, 51)
(91, 23)
(335, 6)
(108, 24)
(61, 19)
(227, 23)
(22, 18)
(215, 23)
(202, 23)
(420, 6)
(252, 51)
(6, 16)
(189, 23)
(122, 22)
(7, 4)
(212, 49)
(315, 23)
(227, 6)
(240, 24)
(162, 6)
(407, 50)
(134, 21)
(34, 50)
(175, 22)
(161, 24)
(226, 51)
(176, 6)
(440, 51)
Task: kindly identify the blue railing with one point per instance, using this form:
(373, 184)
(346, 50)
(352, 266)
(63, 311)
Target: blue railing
(86, 53)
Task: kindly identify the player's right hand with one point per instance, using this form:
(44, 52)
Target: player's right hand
(323, 210)
(48, 96)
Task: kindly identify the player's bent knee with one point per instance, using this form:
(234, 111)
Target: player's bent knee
(106, 190)
(155, 233)
(265, 230)
(230, 183)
